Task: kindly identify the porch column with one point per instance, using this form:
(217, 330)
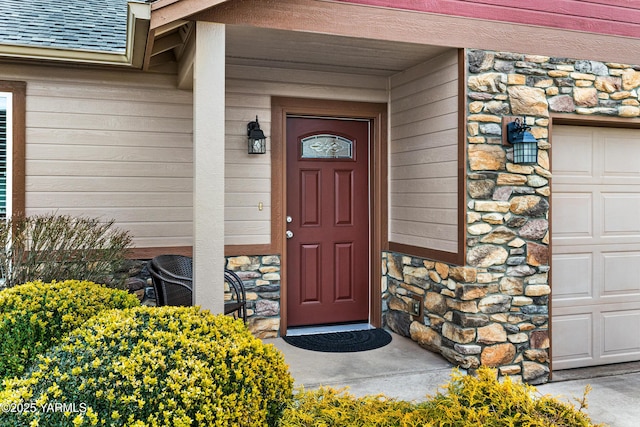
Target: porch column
(208, 162)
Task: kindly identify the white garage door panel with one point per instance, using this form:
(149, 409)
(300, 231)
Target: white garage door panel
(566, 224)
(596, 246)
(621, 274)
(575, 156)
(572, 274)
(597, 277)
(606, 336)
(619, 339)
(621, 156)
(617, 218)
(574, 349)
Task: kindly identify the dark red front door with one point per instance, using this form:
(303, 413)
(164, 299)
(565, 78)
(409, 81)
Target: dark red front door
(328, 207)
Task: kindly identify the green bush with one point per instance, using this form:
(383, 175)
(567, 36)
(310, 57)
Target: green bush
(60, 247)
(155, 366)
(34, 316)
(468, 401)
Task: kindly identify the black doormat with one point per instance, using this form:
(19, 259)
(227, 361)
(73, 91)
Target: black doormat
(342, 342)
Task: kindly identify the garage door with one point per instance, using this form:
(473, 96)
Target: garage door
(596, 246)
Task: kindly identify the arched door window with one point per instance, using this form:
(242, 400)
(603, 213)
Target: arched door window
(325, 146)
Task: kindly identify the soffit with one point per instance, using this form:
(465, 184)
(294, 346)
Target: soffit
(322, 52)
(274, 48)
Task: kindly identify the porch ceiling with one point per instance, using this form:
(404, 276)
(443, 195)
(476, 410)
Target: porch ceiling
(322, 52)
(274, 48)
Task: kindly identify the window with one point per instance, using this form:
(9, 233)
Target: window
(326, 147)
(6, 138)
(12, 148)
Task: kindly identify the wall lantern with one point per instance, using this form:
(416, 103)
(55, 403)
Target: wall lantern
(257, 140)
(525, 145)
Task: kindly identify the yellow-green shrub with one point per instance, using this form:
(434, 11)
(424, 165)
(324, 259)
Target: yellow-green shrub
(483, 401)
(150, 366)
(35, 315)
(329, 407)
(468, 401)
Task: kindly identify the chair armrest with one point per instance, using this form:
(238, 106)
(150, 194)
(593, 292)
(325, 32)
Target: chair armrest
(168, 274)
(236, 286)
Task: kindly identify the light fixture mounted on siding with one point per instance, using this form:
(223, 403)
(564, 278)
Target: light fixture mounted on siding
(525, 145)
(257, 140)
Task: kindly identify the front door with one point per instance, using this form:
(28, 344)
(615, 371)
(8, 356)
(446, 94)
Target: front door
(328, 221)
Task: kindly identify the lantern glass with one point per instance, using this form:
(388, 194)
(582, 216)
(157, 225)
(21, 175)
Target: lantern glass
(525, 145)
(257, 146)
(525, 153)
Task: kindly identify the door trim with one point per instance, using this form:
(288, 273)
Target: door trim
(378, 161)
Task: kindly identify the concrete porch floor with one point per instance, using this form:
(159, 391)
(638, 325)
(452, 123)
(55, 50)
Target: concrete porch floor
(403, 370)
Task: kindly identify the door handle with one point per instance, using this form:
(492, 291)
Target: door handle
(289, 234)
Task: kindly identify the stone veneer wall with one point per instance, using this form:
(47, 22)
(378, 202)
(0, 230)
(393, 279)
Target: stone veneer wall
(494, 310)
(261, 277)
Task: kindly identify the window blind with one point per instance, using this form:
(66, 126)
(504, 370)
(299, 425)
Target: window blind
(3, 162)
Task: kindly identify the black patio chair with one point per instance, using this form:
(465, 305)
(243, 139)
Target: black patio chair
(238, 302)
(172, 277)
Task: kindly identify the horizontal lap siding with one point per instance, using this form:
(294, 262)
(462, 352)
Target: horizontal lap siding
(112, 145)
(618, 17)
(248, 177)
(424, 140)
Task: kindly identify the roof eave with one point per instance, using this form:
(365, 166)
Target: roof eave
(168, 11)
(138, 21)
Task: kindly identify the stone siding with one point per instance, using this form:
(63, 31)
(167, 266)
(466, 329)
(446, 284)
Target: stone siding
(494, 310)
(261, 277)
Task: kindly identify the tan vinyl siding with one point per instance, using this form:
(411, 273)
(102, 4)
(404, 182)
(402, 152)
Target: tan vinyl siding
(248, 177)
(423, 155)
(114, 145)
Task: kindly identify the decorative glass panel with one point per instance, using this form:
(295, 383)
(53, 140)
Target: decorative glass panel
(326, 147)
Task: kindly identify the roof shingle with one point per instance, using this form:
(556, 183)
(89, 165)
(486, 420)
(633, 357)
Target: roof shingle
(96, 25)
